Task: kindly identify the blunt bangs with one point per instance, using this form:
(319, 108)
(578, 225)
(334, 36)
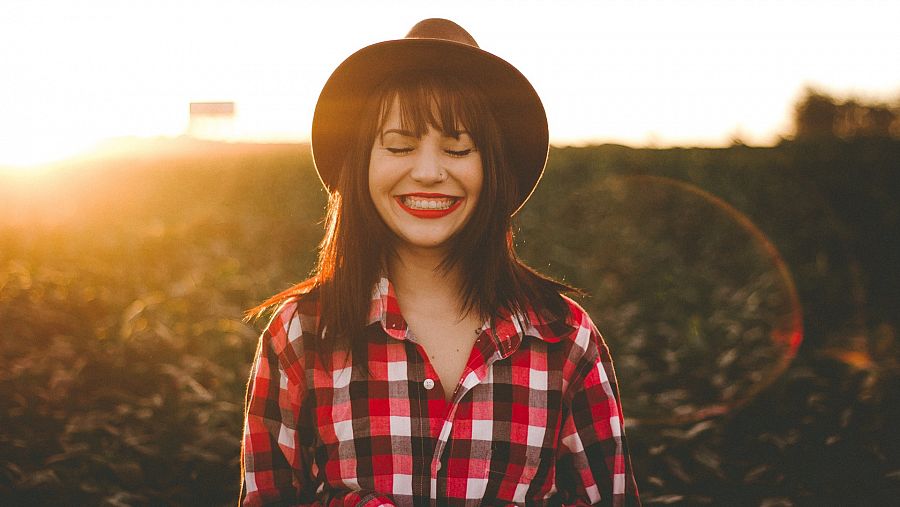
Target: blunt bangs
(430, 99)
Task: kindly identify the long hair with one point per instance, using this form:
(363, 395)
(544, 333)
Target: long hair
(357, 245)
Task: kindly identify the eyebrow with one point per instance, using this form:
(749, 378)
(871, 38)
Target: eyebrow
(404, 133)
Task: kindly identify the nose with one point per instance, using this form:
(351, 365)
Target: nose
(427, 165)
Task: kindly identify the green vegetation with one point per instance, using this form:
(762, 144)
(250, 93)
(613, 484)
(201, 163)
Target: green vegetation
(123, 281)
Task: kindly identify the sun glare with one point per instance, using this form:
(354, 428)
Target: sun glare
(74, 74)
(28, 154)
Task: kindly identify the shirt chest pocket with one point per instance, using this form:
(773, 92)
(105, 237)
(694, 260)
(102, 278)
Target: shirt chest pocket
(515, 463)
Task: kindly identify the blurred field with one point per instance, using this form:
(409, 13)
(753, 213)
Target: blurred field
(123, 278)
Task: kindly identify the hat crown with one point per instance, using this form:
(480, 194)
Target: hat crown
(439, 28)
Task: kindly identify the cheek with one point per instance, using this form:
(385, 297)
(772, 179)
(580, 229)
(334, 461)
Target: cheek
(476, 179)
(376, 178)
(381, 183)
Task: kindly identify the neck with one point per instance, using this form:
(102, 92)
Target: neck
(418, 280)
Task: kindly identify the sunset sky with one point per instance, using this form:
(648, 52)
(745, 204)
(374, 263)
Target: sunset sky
(657, 73)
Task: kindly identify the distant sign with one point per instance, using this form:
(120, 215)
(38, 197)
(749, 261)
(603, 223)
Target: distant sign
(212, 108)
(211, 120)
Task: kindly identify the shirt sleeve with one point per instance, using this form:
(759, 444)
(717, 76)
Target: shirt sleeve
(594, 465)
(274, 464)
(276, 456)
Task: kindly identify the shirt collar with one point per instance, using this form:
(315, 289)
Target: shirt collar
(507, 329)
(386, 311)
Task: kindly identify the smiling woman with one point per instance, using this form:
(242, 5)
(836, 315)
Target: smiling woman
(423, 362)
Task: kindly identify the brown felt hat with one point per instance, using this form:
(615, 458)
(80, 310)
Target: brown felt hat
(432, 44)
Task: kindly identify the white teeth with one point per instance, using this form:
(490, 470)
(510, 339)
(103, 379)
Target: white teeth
(439, 203)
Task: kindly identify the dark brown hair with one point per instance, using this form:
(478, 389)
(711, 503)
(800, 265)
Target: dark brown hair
(357, 244)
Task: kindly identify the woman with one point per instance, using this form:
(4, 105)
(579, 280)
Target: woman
(423, 363)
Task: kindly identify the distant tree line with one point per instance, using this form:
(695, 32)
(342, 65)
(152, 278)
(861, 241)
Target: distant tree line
(818, 115)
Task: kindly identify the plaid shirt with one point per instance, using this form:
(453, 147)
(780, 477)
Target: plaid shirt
(535, 418)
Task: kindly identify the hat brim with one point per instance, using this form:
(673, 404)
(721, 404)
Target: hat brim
(514, 102)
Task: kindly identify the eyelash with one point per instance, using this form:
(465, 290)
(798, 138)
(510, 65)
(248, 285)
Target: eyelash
(452, 153)
(458, 154)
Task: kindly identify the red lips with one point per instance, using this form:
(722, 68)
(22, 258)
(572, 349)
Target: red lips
(428, 213)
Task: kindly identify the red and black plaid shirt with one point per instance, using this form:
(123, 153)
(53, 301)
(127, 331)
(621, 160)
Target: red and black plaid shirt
(534, 420)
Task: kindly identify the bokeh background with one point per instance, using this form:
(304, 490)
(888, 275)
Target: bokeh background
(732, 213)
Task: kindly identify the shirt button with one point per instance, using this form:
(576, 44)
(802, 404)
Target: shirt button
(429, 384)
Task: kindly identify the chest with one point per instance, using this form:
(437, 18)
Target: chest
(496, 438)
(448, 347)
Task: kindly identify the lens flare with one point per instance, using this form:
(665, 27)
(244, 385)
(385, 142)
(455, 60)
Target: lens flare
(696, 303)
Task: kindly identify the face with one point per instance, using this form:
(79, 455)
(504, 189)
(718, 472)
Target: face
(425, 189)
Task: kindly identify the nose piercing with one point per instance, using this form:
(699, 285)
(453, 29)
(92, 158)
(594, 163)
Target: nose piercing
(442, 175)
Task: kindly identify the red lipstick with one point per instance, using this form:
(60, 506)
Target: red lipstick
(428, 213)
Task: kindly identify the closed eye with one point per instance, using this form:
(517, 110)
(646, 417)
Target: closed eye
(399, 151)
(458, 153)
